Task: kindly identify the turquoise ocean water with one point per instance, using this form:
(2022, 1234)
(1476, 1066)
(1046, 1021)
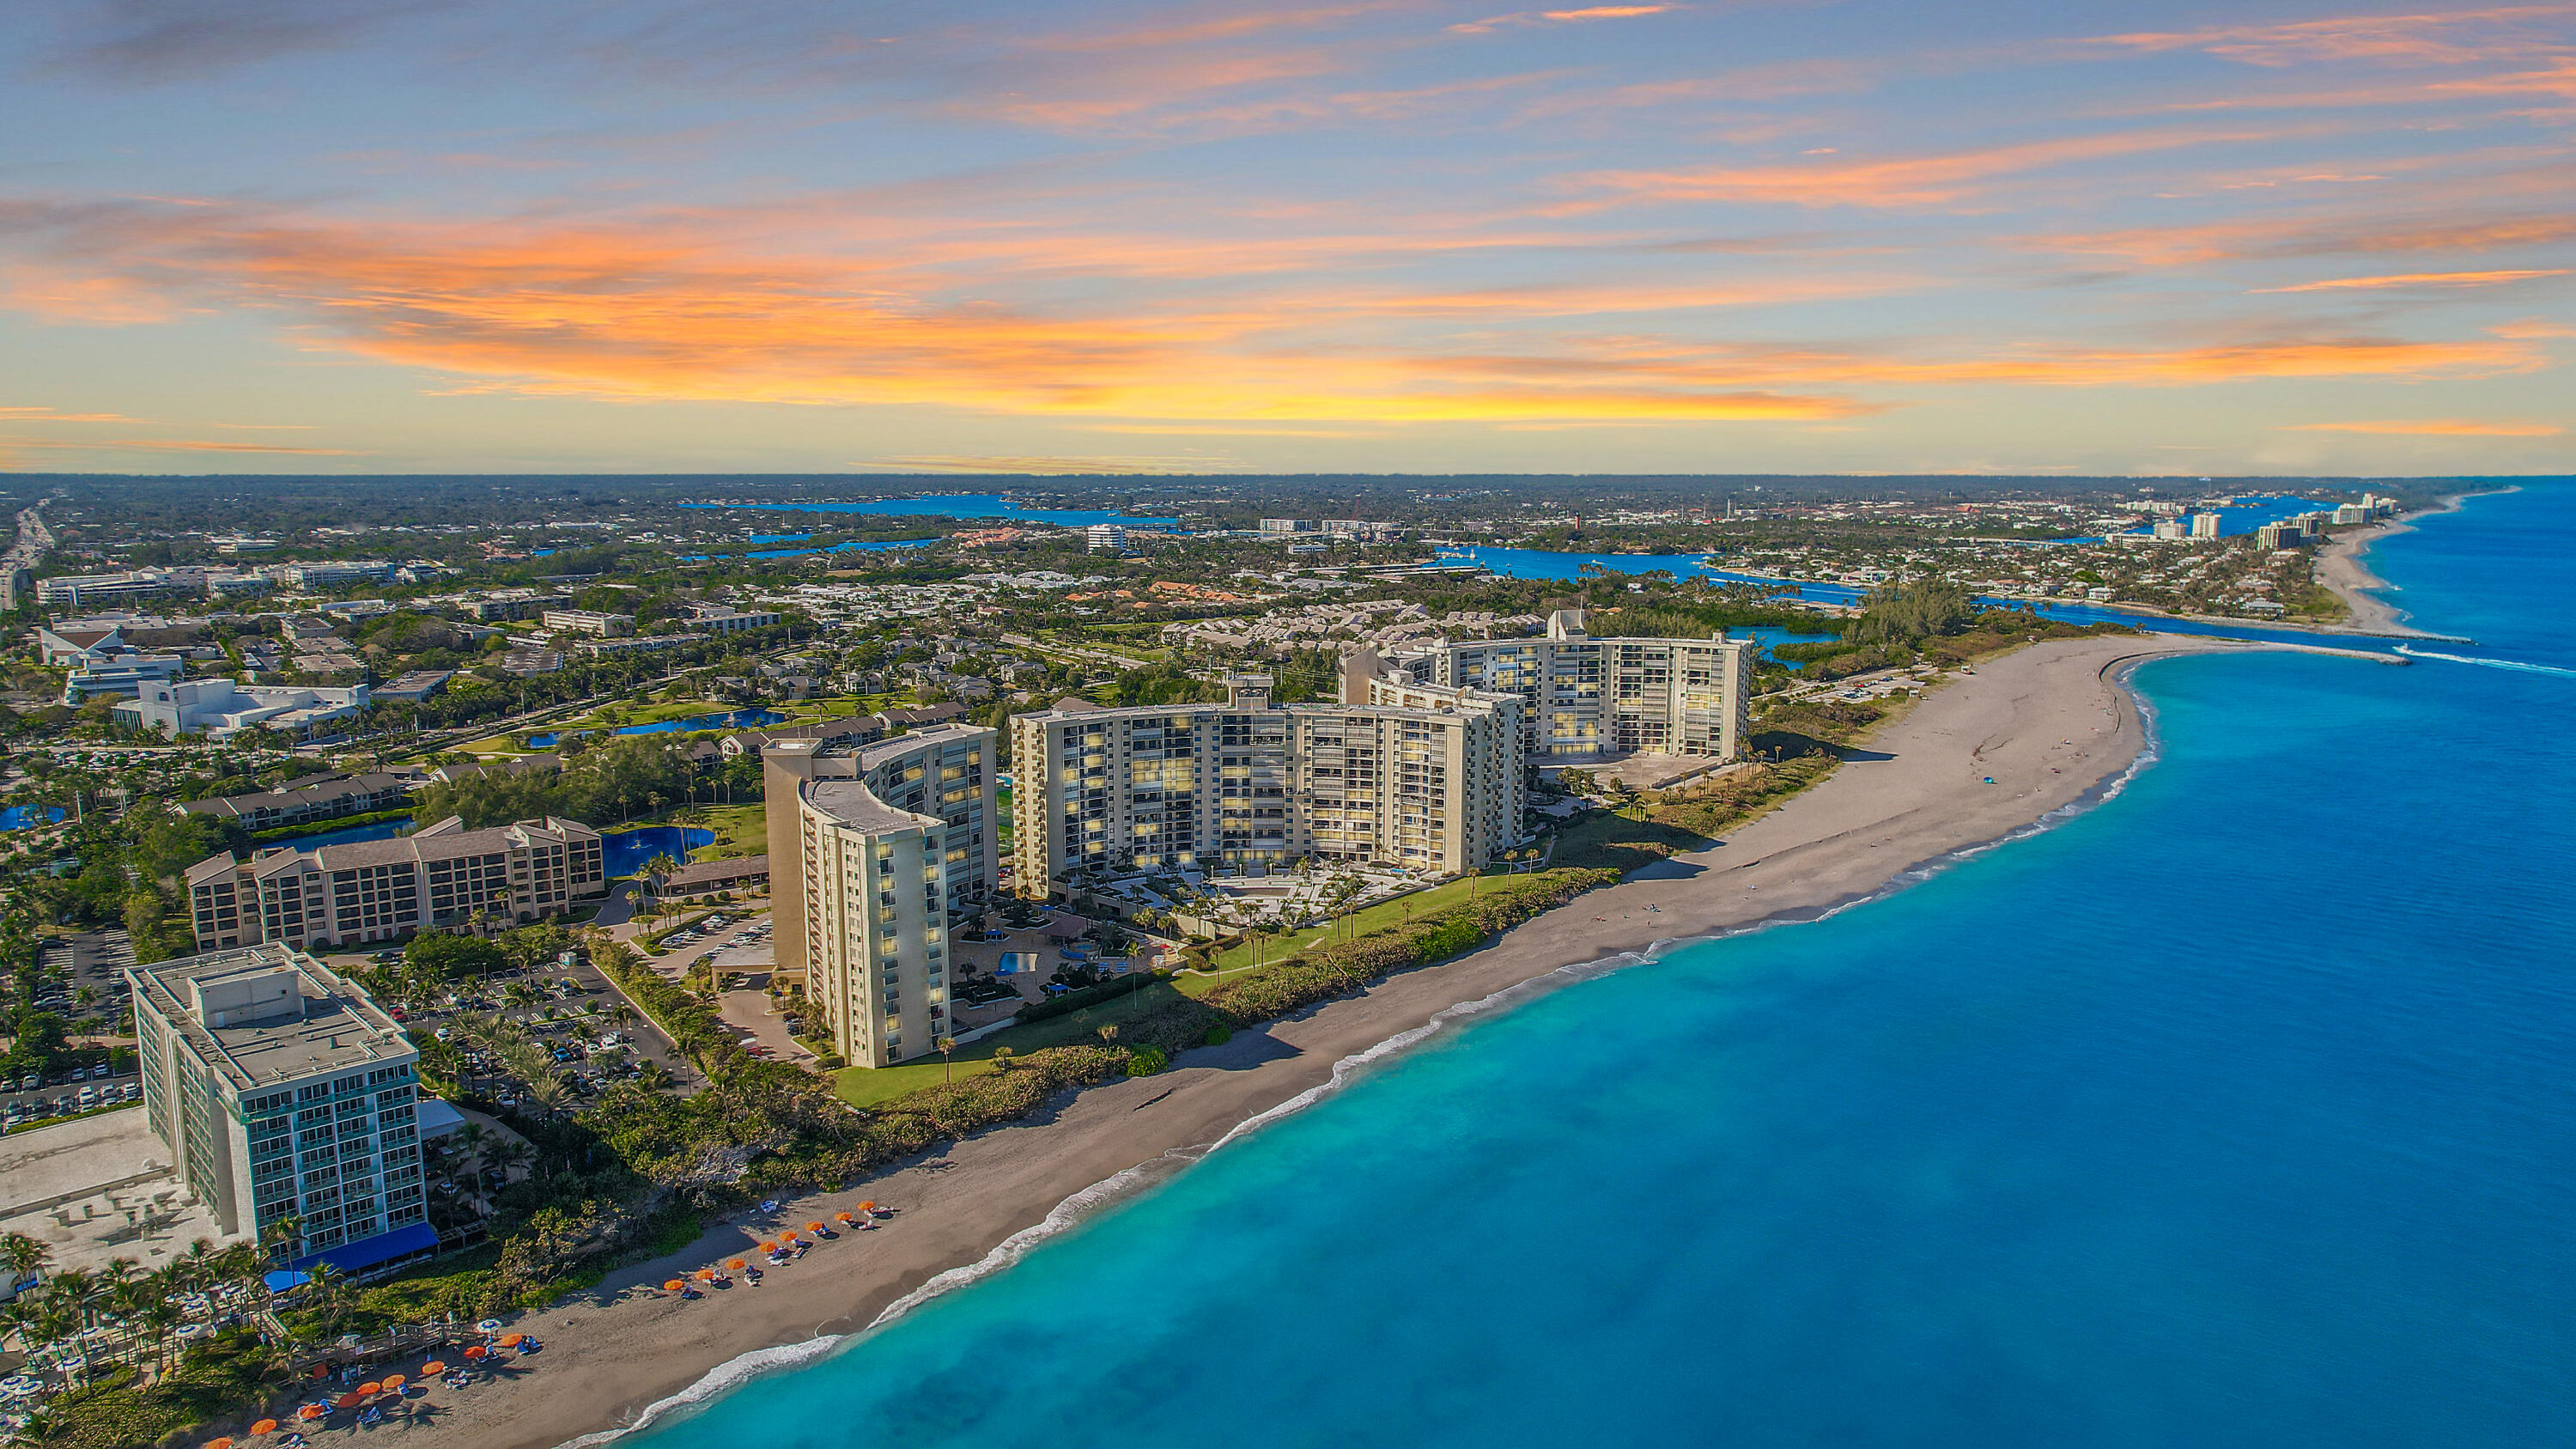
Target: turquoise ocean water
(2238, 1110)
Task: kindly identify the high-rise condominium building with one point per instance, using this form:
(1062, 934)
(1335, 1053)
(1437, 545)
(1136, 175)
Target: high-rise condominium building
(1584, 697)
(876, 853)
(1416, 775)
(283, 1091)
(438, 877)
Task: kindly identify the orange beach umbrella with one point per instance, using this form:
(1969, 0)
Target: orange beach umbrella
(736, 1264)
(843, 1218)
(476, 1351)
(433, 1367)
(350, 1401)
(222, 1442)
(868, 1207)
(395, 1381)
(264, 1426)
(370, 1389)
(706, 1275)
(311, 1411)
(769, 1247)
(513, 1340)
(674, 1286)
(813, 1227)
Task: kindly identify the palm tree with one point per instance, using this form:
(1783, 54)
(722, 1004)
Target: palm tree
(326, 1288)
(24, 1255)
(947, 1045)
(1109, 1034)
(511, 1152)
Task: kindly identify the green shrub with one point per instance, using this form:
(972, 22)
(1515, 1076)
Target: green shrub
(1145, 1062)
(1219, 1035)
(1073, 1001)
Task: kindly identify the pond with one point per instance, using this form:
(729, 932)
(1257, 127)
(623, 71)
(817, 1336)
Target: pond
(625, 852)
(958, 505)
(621, 853)
(737, 719)
(855, 545)
(374, 830)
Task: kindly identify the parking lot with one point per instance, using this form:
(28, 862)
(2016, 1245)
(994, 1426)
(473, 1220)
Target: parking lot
(736, 948)
(595, 1035)
(82, 979)
(66, 1093)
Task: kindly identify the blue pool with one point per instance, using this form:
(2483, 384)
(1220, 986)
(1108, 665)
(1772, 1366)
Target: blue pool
(19, 817)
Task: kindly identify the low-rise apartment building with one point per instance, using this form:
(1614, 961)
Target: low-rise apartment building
(588, 621)
(1421, 776)
(877, 853)
(282, 1091)
(442, 877)
(302, 802)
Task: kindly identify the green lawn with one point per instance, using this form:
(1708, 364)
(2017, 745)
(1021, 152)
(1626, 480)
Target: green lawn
(740, 829)
(1276, 948)
(867, 1086)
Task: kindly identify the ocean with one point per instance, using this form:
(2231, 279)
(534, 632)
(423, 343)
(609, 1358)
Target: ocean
(2237, 1110)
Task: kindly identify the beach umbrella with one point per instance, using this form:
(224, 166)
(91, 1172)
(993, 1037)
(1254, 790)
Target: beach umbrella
(706, 1275)
(350, 1401)
(370, 1389)
(477, 1351)
(264, 1426)
(769, 1247)
(868, 1207)
(736, 1264)
(513, 1340)
(311, 1412)
(395, 1381)
(433, 1368)
(843, 1218)
(488, 1325)
(674, 1286)
(220, 1441)
(813, 1227)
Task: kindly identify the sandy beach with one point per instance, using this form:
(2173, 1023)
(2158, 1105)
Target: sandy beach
(2024, 735)
(2340, 569)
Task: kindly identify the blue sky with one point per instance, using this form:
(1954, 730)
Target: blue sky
(449, 235)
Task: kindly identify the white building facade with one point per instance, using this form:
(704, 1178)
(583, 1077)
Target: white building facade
(1424, 777)
(1586, 698)
(877, 853)
(282, 1091)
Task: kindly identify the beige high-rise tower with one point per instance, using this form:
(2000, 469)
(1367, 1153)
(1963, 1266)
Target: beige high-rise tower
(876, 855)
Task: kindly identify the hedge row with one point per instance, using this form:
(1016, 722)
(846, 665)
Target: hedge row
(691, 1025)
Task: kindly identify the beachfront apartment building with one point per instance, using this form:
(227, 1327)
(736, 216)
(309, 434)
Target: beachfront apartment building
(441, 877)
(878, 852)
(282, 1091)
(1422, 776)
(1584, 698)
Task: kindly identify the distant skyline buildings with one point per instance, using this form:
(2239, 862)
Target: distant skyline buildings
(2287, 236)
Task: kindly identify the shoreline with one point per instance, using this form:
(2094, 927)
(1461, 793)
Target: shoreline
(2013, 747)
(2341, 571)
